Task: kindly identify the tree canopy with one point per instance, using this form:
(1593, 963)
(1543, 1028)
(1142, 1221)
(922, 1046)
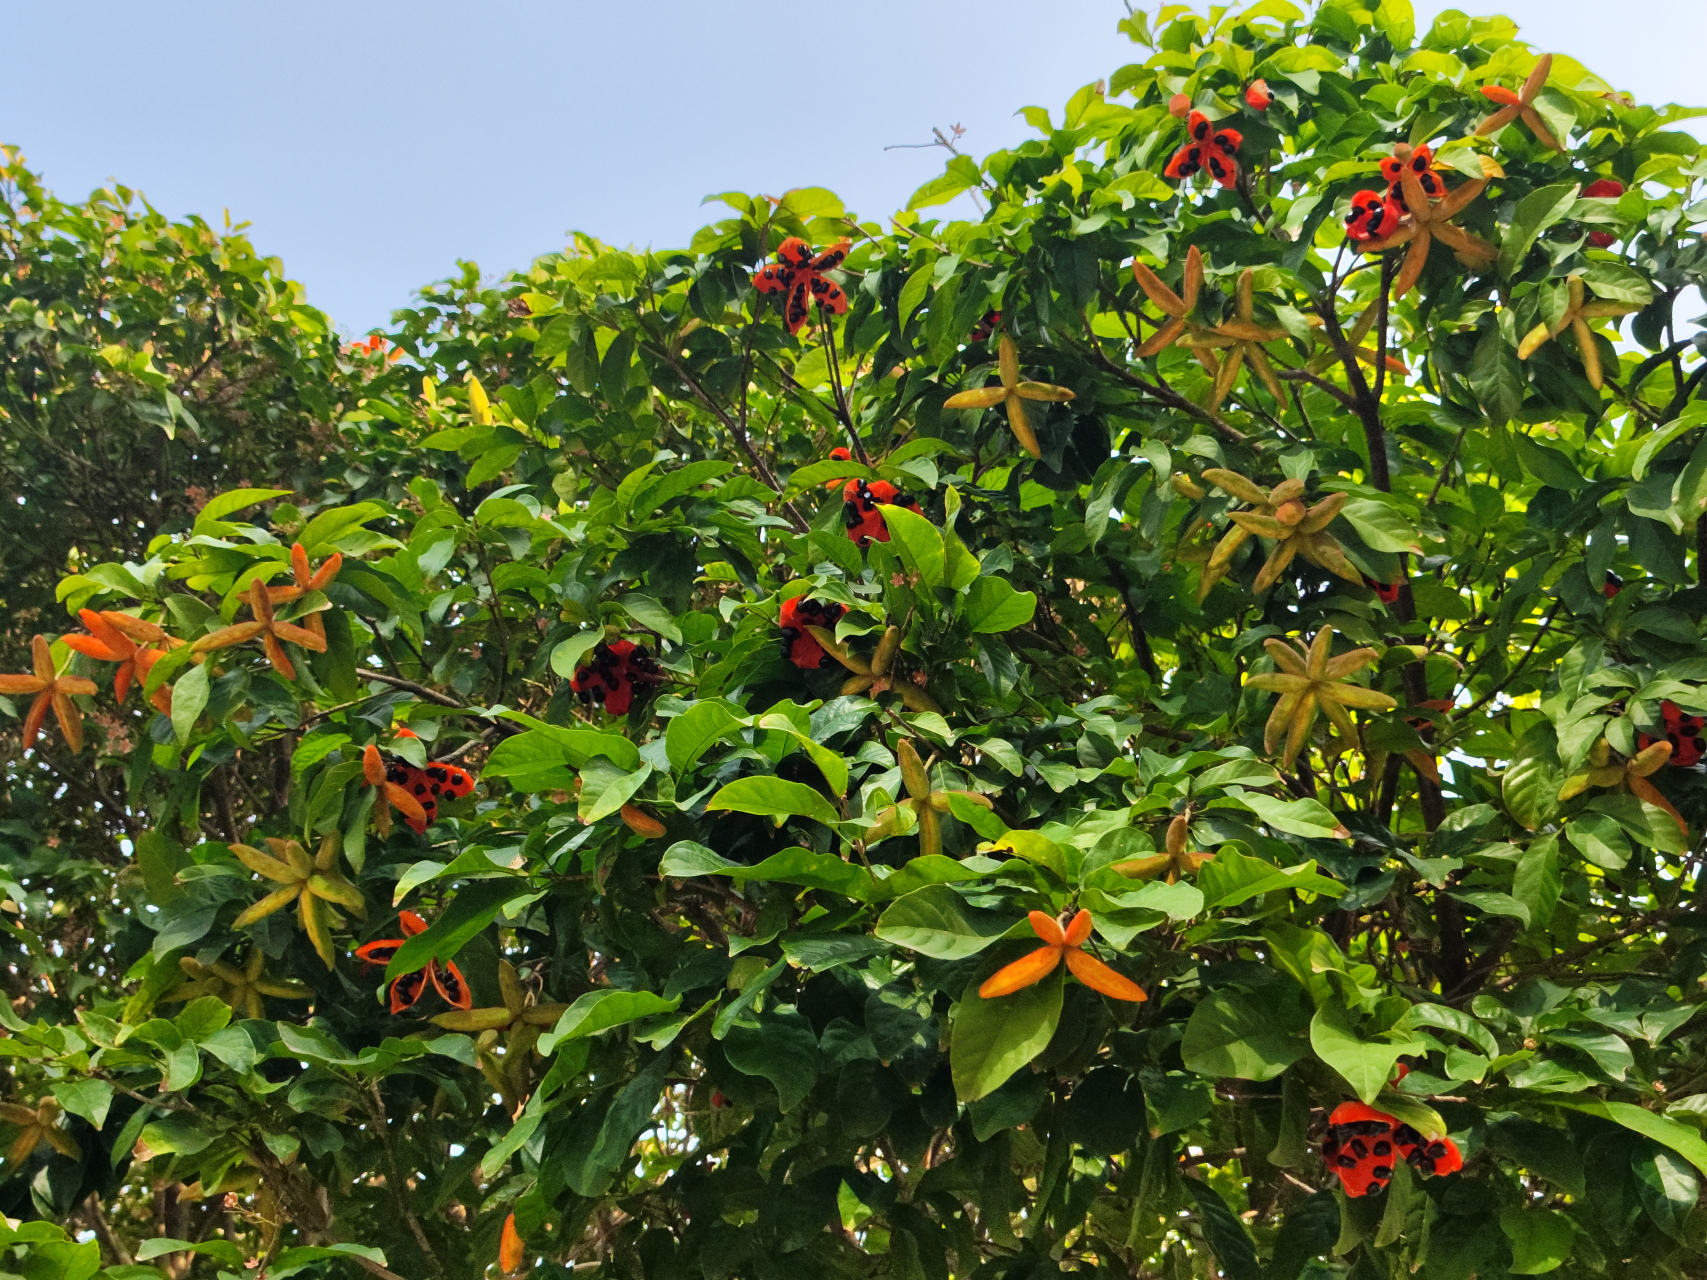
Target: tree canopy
(1142, 716)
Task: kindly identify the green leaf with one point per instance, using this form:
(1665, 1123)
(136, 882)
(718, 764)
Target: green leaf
(1541, 1239)
(775, 798)
(674, 484)
(1532, 779)
(651, 615)
(919, 542)
(1238, 1035)
(830, 764)
(600, 1011)
(224, 504)
(1226, 1234)
(160, 858)
(567, 656)
(90, 1099)
(541, 759)
(474, 907)
(1667, 1132)
(693, 732)
(1617, 282)
(1366, 1065)
(1668, 1189)
(936, 921)
(962, 175)
(1381, 526)
(1232, 877)
(1450, 1019)
(992, 605)
(1295, 817)
(219, 1250)
(1655, 443)
(1599, 839)
(1496, 376)
(686, 859)
(1033, 846)
(1547, 464)
(814, 474)
(1536, 212)
(189, 699)
(813, 870)
(320, 535)
(781, 1048)
(992, 1039)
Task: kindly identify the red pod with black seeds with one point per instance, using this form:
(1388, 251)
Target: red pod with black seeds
(616, 667)
(796, 615)
(860, 502)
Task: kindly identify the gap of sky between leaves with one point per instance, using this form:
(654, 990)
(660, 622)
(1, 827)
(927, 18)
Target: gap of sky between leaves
(371, 147)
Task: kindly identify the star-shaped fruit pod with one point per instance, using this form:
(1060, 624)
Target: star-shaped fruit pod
(519, 1020)
(444, 976)
(1061, 944)
(36, 1125)
(798, 274)
(52, 690)
(1632, 774)
(241, 989)
(1206, 148)
(1311, 681)
(1579, 310)
(1178, 309)
(314, 884)
(1297, 530)
(1521, 105)
(388, 795)
(106, 642)
(878, 675)
(271, 630)
(1013, 393)
(306, 581)
(1265, 501)
(1242, 338)
(927, 805)
(1428, 221)
(1178, 861)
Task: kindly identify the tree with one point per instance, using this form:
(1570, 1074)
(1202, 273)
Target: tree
(1148, 731)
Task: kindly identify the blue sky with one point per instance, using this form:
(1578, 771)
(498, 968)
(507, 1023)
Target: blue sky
(371, 146)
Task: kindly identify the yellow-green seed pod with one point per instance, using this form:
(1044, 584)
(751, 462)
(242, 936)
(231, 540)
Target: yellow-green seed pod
(884, 658)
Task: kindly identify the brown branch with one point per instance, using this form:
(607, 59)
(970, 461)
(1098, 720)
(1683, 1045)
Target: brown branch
(421, 690)
(766, 476)
(1316, 380)
(1174, 400)
(120, 1255)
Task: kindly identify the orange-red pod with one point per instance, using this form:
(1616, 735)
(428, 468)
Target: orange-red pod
(510, 1249)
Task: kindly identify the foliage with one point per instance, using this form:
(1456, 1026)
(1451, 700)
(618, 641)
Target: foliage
(689, 984)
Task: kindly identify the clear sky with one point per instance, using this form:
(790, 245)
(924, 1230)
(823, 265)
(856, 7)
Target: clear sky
(372, 145)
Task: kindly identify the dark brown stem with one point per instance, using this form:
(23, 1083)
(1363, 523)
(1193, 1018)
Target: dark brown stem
(1174, 400)
(103, 1230)
(766, 476)
(420, 690)
(836, 389)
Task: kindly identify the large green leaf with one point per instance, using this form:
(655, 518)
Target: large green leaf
(1365, 1064)
(991, 605)
(936, 921)
(1234, 1034)
(992, 1039)
(781, 1048)
(774, 798)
